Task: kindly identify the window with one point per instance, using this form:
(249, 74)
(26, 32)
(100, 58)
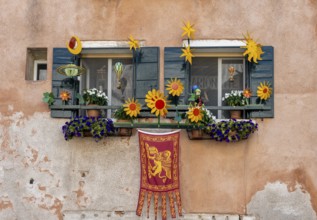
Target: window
(36, 65)
(101, 74)
(216, 76)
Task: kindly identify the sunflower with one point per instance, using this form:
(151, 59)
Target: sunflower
(264, 90)
(65, 96)
(175, 87)
(188, 30)
(132, 107)
(253, 49)
(156, 102)
(247, 93)
(187, 53)
(195, 114)
(134, 44)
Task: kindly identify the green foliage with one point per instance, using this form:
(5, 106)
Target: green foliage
(94, 96)
(48, 97)
(235, 98)
(121, 114)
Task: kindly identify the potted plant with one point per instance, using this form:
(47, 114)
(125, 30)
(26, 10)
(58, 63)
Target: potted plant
(199, 117)
(235, 98)
(94, 97)
(127, 113)
(82, 126)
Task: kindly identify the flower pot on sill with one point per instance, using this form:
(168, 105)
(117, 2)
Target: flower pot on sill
(93, 112)
(124, 131)
(197, 133)
(235, 114)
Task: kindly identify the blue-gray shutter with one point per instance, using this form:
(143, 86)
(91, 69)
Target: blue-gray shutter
(263, 71)
(146, 72)
(175, 66)
(61, 56)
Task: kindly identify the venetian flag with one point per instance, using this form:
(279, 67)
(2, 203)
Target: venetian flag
(159, 157)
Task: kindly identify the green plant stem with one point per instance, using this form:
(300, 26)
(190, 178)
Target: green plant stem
(158, 120)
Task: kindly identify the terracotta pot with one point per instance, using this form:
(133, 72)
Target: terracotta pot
(235, 114)
(124, 131)
(93, 112)
(197, 133)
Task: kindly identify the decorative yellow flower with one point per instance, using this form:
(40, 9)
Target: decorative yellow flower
(187, 54)
(247, 93)
(188, 30)
(195, 114)
(175, 87)
(156, 101)
(253, 49)
(65, 96)
(134, 44)
(264, 91)
(132, 107)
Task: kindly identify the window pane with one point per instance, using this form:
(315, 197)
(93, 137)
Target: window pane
(122, 85)
(96, 76)
(204, 74)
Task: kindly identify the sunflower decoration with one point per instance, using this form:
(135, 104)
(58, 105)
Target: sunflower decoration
(187, 53)
(195, 114)
(132, 107)
(157, 102)
(264, 91)
(253, 49)
(134, 44)
(175, 87)
(188, 30)
(65, 96)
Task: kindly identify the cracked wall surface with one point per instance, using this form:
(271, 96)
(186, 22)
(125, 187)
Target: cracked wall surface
(43, 177)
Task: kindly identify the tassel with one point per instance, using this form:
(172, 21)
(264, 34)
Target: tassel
(149, 197)
(140, 202)
(172, 206)
(179, 202)
(156, 196)
(164, 214)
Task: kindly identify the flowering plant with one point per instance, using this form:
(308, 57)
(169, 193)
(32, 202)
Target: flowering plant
(97, 127)
(232, 130)
(199, 115)
(235, 98)
(95, 96)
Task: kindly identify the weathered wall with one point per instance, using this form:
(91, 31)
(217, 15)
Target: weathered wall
(264, 176)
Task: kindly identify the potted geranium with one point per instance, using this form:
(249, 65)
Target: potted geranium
(235, 98)
(127, 113)
(94, 97)
(82, 126)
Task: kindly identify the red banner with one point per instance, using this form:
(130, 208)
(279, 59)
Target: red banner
(159, 156)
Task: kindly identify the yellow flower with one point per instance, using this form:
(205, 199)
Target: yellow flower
(156, 102)
(264, 91)
(175, 87)
(253, 49)
(188, 30)
(187, 54)
(247, 93)
(134, 44)
(195, 114)
(132, 107)
(65, 96)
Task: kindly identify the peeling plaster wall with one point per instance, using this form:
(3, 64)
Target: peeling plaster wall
(42, 176)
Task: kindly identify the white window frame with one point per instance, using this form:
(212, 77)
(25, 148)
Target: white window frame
(35, 68)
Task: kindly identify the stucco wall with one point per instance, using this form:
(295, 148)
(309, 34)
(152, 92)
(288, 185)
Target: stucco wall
(276, 166)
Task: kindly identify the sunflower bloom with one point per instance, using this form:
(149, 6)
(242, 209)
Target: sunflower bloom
(175, 87)
(188, 30)
(247, 93)
(264, 91)
(132, 107)
(195, 114)
(156, 101)
(253, 49)
(134, 44)
(65, 96)
(187, 53)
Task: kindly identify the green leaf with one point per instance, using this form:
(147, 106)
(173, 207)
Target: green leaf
(80, 99)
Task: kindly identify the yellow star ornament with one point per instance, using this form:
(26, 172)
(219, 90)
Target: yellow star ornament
(187, 53)
(188, 30)
(253, 49)
(134, 44)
